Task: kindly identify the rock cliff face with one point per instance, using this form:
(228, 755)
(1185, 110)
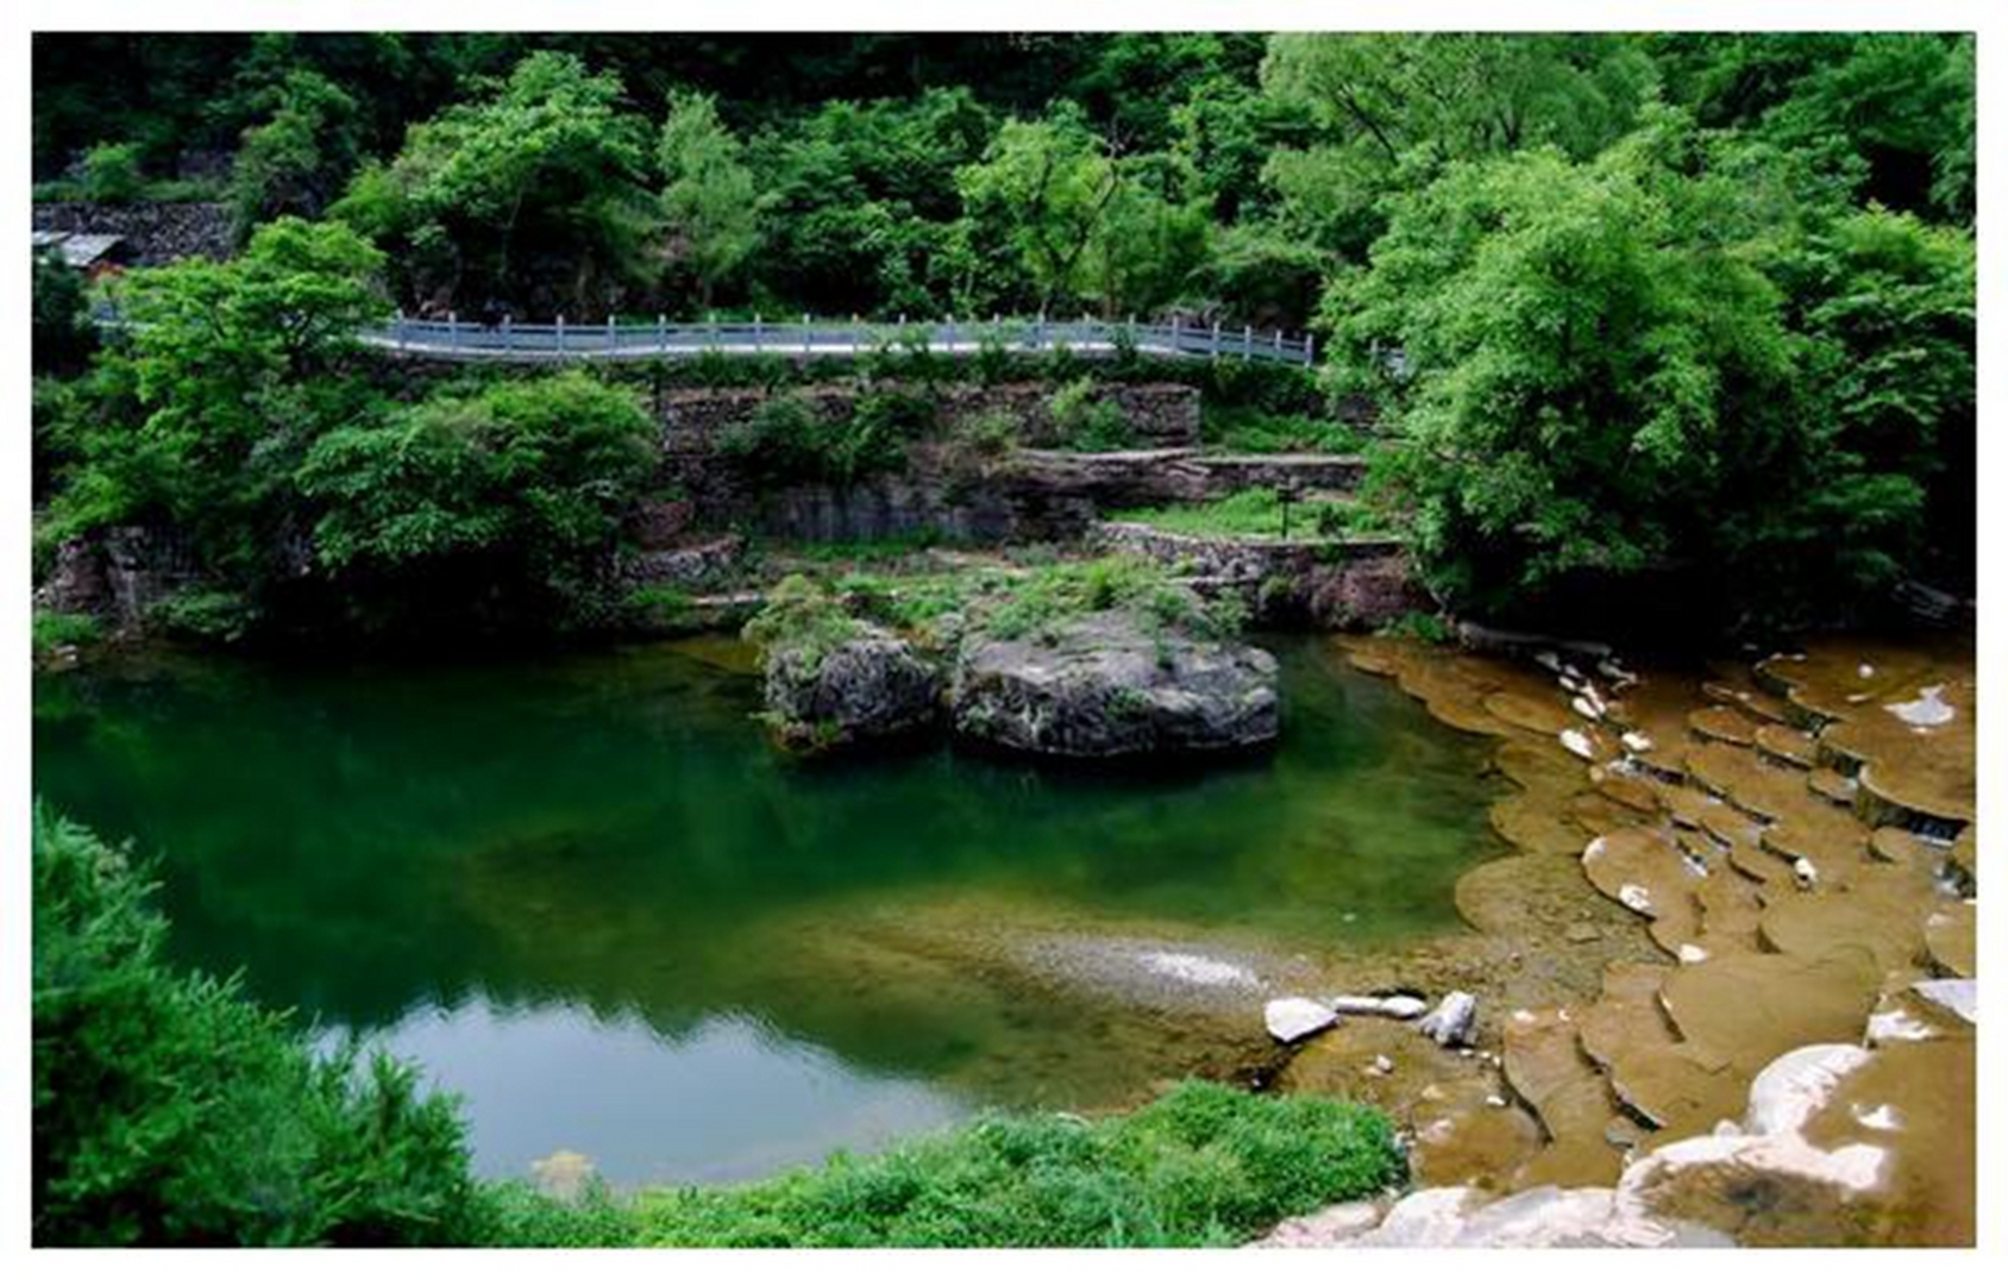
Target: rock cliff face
(1109, 685)
(872, 687)
(118, 574)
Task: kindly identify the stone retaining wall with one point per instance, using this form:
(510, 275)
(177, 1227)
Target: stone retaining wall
(1353, 584)
(1162, 415)
(158, 233)
(1022, 495)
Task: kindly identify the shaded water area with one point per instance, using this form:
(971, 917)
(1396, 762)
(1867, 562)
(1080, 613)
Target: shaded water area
(585, 895)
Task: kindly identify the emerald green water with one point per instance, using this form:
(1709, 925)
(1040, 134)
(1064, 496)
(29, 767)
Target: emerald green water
(586, 895)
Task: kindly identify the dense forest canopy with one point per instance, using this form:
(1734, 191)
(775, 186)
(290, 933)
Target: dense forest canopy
(1628, 305)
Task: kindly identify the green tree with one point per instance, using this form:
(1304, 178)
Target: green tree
(862, 199)
(1045, 186)
(531, 196)
(1886, 304)
(709, 205)
(232, 368)
(1885, 117)
(1146, 248)
(1397, 108)
(1225, 132)
(112, 173)
(505, 499)
(1576, 382)
(297, 160)
(1629, 366)
(62, 336)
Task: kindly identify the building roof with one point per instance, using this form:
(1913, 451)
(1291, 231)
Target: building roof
(80, 249)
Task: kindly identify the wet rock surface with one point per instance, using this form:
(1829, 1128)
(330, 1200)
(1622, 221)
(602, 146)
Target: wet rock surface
(872, 687)
(1764, 1035)
(1114, 684)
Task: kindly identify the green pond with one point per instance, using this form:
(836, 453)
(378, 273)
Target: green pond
(588, 898)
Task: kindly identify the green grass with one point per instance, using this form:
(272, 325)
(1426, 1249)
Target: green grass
(1252, 513)
(1205, 1165)
(54, 630)
(1242, 429)
(803, 616)
(1046, 598)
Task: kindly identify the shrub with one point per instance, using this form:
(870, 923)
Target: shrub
(1084, 421)
(169, 1109)
(1045, 599)
(787, 438)
(112, 173)
(801, 616)
(222, 617)
(54, 630)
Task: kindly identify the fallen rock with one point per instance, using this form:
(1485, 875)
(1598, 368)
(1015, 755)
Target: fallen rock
(1961, 995)
(1333, 1225)
(1114, 684)
(1295, 1018)
(1452, 1021)
(1380, 1006)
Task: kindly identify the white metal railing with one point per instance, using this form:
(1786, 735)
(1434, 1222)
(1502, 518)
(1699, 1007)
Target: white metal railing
(457, 339)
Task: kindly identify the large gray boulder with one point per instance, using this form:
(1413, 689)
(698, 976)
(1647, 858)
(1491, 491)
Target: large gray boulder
(1113, 684)
(872, 686)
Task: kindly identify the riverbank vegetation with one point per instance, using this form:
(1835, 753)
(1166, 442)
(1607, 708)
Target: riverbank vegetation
(169, 1108)
(1647, 314)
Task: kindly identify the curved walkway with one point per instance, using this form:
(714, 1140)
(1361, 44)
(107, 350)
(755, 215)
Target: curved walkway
(455, 339)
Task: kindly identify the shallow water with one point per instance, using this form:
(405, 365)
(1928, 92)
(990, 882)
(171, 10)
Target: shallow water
(585, 894)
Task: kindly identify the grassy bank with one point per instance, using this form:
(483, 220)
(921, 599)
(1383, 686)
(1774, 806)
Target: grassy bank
(171, 1109)
(1257, 513)
(1205, 1165)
